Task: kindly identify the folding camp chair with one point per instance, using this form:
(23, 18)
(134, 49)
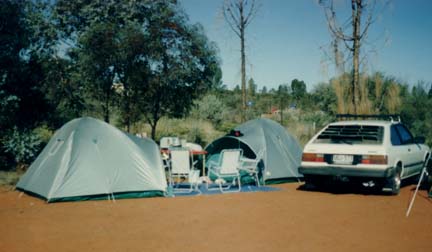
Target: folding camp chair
(181, 167)
(250, 166)
(227, 167)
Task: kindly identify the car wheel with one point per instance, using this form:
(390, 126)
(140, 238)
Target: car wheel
(395, 183)
(392, 184)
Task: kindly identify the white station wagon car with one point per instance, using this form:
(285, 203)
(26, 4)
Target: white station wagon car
(375, 153)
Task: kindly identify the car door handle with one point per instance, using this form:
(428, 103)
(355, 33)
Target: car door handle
(409, 149)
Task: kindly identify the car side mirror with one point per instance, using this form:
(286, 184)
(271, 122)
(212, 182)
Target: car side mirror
(420, 140)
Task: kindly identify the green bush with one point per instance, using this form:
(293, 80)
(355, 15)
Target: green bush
(210, 108)
(23, 145)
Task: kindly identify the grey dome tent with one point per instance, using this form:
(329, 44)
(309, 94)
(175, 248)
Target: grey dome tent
(281, 151)
(90, 159)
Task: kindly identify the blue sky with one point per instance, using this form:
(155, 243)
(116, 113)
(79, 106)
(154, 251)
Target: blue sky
(287, 38)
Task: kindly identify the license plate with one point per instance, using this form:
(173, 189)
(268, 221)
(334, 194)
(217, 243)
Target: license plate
(343, 159)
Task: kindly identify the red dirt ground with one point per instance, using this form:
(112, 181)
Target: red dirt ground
(286, 220)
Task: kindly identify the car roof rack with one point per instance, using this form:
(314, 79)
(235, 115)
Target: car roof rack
(390, 117)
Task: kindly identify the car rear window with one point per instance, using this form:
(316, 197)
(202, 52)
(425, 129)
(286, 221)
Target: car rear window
(351, 134)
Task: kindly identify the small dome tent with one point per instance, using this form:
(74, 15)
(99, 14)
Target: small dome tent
(90, 159)
(281, 152)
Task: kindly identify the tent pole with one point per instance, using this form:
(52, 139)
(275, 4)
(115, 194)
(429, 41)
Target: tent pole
(416, 190)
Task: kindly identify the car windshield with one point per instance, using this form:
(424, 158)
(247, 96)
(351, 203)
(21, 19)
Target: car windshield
(351, 134)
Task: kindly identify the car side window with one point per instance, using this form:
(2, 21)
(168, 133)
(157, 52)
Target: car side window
(394, 136)
(404, 134)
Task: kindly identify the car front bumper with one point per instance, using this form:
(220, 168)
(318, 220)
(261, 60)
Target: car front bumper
(347, 171)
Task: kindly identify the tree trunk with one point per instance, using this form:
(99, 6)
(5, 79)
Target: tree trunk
(128, 113)
(106, 109)
(356, 6)
(243, 63)
(153, 129)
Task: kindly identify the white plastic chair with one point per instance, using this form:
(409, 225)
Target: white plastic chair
(227, 167)
(251, 166)
(181, 167)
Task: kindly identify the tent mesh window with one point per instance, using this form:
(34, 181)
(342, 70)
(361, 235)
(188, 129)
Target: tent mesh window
(359, 134)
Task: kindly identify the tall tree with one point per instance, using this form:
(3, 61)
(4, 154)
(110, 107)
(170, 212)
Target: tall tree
(352, 38)
(160, 61)
(184, 65)
(239, 14)
(298, 89)
(282, 97)
(252, 87)
(24, 46)
(133, 72)
(97, 61)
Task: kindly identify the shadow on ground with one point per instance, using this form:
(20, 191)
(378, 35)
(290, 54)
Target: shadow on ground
(337, 187)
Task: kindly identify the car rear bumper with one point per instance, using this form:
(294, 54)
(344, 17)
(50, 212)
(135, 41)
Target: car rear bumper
(347, 171)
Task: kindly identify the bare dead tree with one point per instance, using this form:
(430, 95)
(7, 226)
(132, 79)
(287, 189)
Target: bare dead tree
(239, 14)
(352, 37)
(337, 54)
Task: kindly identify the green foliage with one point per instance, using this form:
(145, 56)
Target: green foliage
(211, 108)
(23, 145)
(160, 61)
(43, 133)
(96, 60)
(191, 129)
(416, 113)
(64, 90)
(252, 87)
(298, 89)
(21, 78)
(143, 61)
(195, 136)
(8, 104)
(324, 98)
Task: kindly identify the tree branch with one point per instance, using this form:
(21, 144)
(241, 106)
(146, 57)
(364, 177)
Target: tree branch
(252, 13)
(233, 22)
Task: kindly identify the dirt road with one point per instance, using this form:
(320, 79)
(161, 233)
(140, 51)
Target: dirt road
(285, 220)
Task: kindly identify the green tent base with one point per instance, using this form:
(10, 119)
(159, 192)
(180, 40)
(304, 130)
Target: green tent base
(121, 195)
(283, 180)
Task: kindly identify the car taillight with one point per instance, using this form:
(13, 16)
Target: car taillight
(374, 159)
(312, 157)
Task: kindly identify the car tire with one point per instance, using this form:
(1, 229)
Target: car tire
(395, 182)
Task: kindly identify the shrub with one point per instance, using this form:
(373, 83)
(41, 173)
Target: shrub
(24, 145)
(210, 108)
